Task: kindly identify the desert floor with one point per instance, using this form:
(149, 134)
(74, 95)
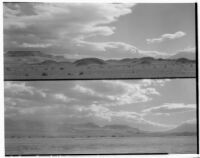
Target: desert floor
(97, 145)
(157, 69)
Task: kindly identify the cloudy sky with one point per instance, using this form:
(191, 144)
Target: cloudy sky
(152, 105)
(100, 30)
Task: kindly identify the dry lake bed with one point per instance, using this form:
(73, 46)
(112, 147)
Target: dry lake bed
(99, 145)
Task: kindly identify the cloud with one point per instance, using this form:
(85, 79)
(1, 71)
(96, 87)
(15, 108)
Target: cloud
(71, 23)
(67, 28)
(118, 93)
(130, 117)
(29, 94)
(189, 53)
(155, 82)
(82, 101)
(105, 113)
(191, 121)
(165, 37)
(62, 97)
(104, 46)
(191, 50)
(28, 45)
(23, 108)
(170, 108)
(22, 88)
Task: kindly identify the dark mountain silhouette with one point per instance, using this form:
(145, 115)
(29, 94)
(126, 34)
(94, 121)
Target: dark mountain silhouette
(89, 125)
(87, 61)
(116, 126)
(184, 60)
(34, 57)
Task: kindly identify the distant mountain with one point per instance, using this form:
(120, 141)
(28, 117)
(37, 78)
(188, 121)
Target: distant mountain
(133, 60)
(184, 128)
(46, 62)
(30, 57)
(21, 128)
(87, 125)
(183, 54)
(87, 61)
(37, 57)
(115, 126)
(184, 60)
(24, 128)
(34, 128)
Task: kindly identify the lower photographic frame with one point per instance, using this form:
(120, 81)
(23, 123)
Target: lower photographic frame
(101, 117)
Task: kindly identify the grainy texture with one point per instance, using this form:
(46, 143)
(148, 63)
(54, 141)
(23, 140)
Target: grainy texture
(170, 144)
(133, 69)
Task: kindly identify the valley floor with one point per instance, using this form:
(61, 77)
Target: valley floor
(157, 69)
(97, 145)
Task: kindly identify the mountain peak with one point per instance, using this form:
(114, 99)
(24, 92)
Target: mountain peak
(117, 126)
(184, 128)
(89, 125)
(86, 61)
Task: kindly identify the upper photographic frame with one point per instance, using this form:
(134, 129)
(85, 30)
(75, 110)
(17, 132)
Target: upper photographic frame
(53, 41)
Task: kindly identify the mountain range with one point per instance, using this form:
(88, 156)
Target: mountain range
(23, 128)
(33, 57)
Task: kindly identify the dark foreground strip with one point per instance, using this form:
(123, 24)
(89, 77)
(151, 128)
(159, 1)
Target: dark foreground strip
(90, 154)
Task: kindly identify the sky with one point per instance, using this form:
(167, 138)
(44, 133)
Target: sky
(151, 105)
(102, 30)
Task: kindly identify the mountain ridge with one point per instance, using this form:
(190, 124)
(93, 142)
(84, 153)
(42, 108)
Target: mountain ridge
(40, 57)
(36, 128)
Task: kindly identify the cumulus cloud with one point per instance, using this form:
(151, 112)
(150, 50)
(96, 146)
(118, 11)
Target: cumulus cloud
(105, 113)
(66, 29)
(170, 108)
(189, 50)
(119, 101)
(125, 92)
(21, 87)
(191, 121)
(165, 37)
(72, 25)
(62, 97)
(130, 117)
(158, 82)
(28, 45)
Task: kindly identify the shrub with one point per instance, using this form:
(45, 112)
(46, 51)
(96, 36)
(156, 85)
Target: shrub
(146, 62)
(8, 69)
(81, 73)
(44, 74)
